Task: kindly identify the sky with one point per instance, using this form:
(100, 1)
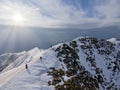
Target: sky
(25, 24)
(82, 14)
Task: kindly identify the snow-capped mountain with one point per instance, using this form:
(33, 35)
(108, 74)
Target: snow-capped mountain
(86, 63)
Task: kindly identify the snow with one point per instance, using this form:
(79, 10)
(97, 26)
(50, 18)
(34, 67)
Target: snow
(20, 78)
(16, 77)
(114, 40)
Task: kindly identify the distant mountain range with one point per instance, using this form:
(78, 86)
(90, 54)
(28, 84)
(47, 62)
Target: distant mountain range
(85, 63)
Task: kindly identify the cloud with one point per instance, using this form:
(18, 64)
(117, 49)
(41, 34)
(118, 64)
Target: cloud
(109, 10)
(60, 14)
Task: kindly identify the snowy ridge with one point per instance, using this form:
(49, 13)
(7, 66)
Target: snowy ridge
(114, 40)
(84, 63)
(12, 60)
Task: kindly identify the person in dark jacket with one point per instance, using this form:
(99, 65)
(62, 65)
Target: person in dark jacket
(26, 66)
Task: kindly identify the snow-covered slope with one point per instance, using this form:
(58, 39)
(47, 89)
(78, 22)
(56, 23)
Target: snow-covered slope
(85, 63)
(11, 60)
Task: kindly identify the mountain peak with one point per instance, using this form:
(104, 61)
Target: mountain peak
(114, 40)
(86, 63)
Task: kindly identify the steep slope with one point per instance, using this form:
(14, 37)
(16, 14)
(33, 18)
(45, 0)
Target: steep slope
(33, 78)
(85, 63)
(88, 64)
(11, 60)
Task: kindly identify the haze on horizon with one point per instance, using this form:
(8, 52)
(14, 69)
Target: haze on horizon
(25, 24)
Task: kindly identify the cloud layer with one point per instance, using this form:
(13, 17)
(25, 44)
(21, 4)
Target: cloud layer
(62, 13)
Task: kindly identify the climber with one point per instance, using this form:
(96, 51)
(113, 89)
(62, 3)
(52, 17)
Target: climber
(26, 66)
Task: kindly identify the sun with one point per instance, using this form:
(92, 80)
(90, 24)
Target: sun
(18, 18)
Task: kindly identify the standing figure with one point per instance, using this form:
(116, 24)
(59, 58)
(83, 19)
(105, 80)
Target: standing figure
(26, 66)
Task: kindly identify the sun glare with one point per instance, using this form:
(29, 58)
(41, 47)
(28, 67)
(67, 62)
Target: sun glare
(18, 18)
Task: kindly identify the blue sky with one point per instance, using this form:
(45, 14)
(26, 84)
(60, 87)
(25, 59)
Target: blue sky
(61, 13)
